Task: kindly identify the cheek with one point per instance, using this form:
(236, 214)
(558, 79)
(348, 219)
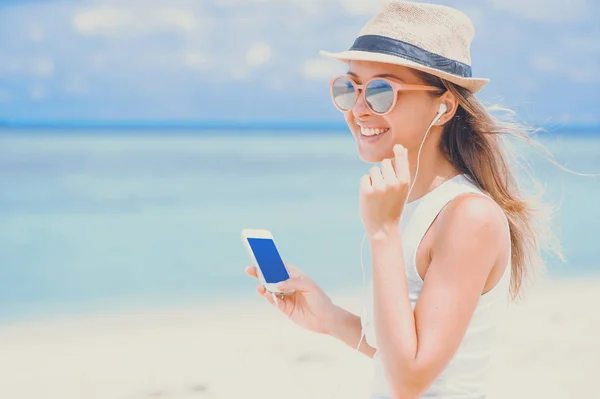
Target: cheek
(408, 125)
(349, 117)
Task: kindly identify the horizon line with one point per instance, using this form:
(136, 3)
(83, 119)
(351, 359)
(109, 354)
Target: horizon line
(226, 125)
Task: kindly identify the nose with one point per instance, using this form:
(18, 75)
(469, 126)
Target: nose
(361, 109)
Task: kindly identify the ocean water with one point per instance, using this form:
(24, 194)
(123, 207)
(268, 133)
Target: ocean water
(95, 221)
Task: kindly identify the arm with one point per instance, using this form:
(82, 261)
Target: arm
(415, 347)
(347, 328)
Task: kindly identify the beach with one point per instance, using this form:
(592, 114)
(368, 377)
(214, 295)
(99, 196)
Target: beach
(110, 222)
(548, 348)
(138, 139)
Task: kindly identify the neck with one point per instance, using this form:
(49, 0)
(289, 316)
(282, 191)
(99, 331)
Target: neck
(434, 169)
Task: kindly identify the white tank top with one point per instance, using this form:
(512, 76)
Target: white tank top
(465, 375)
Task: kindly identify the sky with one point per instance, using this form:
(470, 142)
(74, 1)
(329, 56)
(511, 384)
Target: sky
(150, 60)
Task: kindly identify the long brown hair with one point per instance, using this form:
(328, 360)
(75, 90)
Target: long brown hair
(475, 142)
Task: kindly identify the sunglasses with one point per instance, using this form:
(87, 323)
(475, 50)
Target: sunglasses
(380, 94)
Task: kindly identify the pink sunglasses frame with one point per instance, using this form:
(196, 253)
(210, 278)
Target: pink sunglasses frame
(358, 91)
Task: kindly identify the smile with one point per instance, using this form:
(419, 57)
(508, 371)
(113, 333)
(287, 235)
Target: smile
(372, 131)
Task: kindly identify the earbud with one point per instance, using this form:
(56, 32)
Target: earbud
(441, 111)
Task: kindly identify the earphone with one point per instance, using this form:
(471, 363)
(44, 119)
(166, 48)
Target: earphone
(364, 320)
(441, 111)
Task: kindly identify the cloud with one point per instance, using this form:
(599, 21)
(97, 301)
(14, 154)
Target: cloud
(115, 21)
(579, 43)
(321, 68)
(258, 54)
(36, 66)
(196, 61)
(574, 57)
(42, 67)
(238, 73)
(10, 64)
(544, 63)
(581, 73)
(546, 10)
(77, 85)
(584, 74)
(308, 7)
(277, 83)
(103, 21)
(524, 84)
(153, 57)
(232, 3)
(35, 34)
(38, 93)
(181, 19)
(362, 7)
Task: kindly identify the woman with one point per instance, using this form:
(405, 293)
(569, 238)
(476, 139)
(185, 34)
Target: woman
(451, 238)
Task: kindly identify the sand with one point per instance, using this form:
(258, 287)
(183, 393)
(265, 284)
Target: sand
(549, 348)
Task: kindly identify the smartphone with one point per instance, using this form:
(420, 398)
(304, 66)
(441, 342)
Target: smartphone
(264, 255)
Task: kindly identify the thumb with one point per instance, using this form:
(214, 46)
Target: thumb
(297, 283)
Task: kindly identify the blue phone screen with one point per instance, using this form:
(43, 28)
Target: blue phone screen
(268, 258)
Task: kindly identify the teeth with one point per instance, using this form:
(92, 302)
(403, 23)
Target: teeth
(372, 132)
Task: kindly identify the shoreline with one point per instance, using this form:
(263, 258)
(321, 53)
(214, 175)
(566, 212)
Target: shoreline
(347, 298)
(196, 128)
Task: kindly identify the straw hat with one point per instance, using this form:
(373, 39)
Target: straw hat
(431, 38)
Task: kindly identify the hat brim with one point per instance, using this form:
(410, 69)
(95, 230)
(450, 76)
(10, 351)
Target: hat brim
(472, 84)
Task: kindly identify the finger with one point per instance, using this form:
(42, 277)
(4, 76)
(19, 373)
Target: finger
(265, 294)
(365, 185)
(260, 289)
(269, 298)
(277, 301)
(388, 172)
(401, 158)
(251, 271)
(376, 178)
(281, 304)
(298, 284)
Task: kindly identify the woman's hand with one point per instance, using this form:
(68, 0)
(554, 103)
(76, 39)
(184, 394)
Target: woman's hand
(309, 306)
(383, 192)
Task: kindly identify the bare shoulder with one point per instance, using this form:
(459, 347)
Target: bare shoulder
(475, 211)
(474, 217)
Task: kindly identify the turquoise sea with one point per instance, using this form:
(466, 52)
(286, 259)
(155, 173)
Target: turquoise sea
(96, 221)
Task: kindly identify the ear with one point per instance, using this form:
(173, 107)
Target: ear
(451, 103)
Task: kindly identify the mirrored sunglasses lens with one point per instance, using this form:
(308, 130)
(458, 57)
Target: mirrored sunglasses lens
(380, 95)
(343, 93)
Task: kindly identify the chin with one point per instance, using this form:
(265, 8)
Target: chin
(375, 152)
(368, 156)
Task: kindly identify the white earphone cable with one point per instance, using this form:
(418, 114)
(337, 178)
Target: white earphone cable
(365, 322)
(364, 318)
